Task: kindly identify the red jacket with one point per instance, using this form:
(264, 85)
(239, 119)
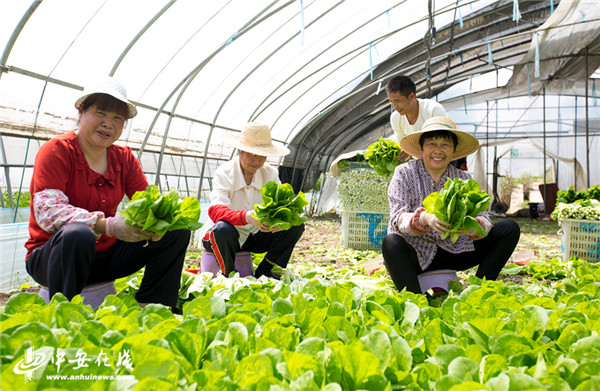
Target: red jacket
(60, 164)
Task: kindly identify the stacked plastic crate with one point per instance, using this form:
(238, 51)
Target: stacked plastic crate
(578, 214)
(363, 205)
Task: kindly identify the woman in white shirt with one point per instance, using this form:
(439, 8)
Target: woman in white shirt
(236, 189)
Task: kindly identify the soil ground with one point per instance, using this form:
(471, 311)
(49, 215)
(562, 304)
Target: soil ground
(539, 240)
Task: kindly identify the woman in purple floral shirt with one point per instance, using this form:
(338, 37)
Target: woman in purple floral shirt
(414, 244)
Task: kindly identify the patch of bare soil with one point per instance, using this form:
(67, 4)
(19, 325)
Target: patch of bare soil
(539, 241)
(4, 296)
(320, 234)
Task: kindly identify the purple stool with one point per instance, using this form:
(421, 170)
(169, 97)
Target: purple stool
(93, 294)
(243, 263)
(438, 280)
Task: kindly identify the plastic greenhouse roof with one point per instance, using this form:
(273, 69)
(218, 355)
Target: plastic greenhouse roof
(315, 71)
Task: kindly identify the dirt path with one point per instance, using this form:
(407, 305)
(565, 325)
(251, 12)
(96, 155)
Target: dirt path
(539, 239)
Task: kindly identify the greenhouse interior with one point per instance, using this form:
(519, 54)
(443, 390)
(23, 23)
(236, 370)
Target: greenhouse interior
(520, 76)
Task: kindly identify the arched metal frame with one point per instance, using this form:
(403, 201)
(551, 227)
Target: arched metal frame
(521, 44)
(362, 99)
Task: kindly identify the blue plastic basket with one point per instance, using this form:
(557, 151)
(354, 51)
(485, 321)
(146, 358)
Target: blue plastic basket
(364, 230)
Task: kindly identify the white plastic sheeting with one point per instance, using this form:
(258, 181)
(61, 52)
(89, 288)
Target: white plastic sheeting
(12, 263)
(570, 173)
(195, 69)
(221, 63)
(555, 61)
(315, 71)
(557, 65)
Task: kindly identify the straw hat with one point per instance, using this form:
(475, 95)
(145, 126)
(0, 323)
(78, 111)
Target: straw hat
(256, 138)
(467, 144)
(109, 86)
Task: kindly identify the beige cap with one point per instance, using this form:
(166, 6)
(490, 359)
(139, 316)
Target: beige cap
(467, 144)
(256, 138)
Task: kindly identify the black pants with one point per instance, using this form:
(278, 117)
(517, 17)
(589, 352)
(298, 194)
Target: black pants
(223, 241)
(68, 261)
(491, 254)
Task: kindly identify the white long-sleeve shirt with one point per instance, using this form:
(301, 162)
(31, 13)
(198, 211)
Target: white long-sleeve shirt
(230, 189)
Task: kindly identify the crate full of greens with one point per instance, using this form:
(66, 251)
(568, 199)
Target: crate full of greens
(360, 187)
(578, 215)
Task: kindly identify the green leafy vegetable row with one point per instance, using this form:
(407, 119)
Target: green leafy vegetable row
(570, 195)
(280, 207)
(458, 203)
(151, 211)
(23, 199)
(317, 334)
(382, 155)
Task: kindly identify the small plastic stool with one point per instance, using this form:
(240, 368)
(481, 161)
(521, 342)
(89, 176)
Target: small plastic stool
(438, 280)
(243, 263)
(93, 294)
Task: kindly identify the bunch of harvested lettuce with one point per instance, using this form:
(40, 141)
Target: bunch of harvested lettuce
(458, 203)
(151, 211)
(382, 155)
(280, 207)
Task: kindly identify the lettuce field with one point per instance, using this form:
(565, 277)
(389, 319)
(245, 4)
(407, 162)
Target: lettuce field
(321, 327)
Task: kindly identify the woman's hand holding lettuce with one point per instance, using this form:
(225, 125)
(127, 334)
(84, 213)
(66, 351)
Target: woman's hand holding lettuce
(151, 211)
(280, 207)
(458, 204)
(382, 155)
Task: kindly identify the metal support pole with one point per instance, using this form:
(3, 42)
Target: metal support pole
(487, 142)
(575, 149)
(587, 123)
(558, 143)
(545, 195)
(429, 37)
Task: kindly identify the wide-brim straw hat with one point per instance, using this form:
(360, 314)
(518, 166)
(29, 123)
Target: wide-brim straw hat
(109, 86)
(467, 144)
(256, 138)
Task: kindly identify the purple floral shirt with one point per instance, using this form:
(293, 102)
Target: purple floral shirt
(408, 188)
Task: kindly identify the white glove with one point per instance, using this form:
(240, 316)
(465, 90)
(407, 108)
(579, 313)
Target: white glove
(117, 227)
(432, 221)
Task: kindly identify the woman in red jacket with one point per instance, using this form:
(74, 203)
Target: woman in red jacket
(79, 178)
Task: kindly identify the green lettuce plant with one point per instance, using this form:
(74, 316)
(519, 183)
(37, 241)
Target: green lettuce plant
(280, 207)
(19, 199)
(569, 196)
(151, 211)
(330, 331)
(458, 203)
(382, 155)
